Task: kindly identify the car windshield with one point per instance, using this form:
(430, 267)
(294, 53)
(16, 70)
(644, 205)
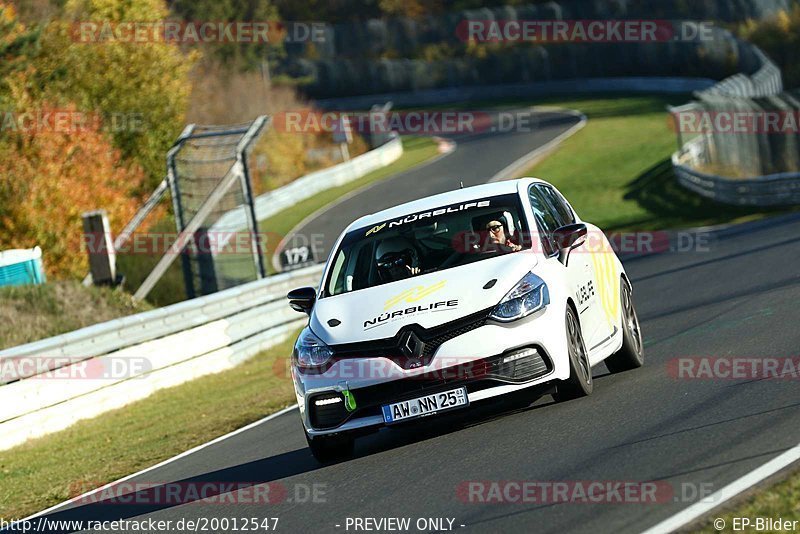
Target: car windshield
(426, 242)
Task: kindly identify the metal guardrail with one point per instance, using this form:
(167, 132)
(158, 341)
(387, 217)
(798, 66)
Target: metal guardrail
(735, 92)
(114, 335)
(179, 343)
(770, 190)
(437, 97)
(767, 80)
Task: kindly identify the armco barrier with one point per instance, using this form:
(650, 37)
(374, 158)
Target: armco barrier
(523, 91)
(180, 342)
(767, 190)
(771, 190)
(112, 335)
(767, 80)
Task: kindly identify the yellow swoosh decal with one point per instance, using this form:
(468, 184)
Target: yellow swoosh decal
(413, 294)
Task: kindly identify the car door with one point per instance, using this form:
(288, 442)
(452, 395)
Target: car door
(553, 213)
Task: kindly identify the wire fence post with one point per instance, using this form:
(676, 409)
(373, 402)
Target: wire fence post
(202, 170)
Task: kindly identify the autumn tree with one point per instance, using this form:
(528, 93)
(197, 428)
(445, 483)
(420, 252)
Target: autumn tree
(52, 172)
(779, 37)
(141, 87)
(50, 177)
(17, 45)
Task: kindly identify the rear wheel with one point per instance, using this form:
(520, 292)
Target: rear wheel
(631, 354)
(579, 384)
(331, 448)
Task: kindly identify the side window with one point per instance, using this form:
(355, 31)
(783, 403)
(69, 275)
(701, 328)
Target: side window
(336, 283)
(562, 209)
(546, 217)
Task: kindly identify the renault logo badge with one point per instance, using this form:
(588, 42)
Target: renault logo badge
(411, 345)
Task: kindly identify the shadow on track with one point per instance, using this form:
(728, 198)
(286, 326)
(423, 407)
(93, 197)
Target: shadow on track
(121, 502)
(123, 505)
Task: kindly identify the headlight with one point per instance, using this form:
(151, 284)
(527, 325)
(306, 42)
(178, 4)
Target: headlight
(311, 351)
(528, 296)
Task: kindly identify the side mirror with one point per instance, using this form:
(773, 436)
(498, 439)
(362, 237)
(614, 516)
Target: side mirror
(567, 238)
(302, 299)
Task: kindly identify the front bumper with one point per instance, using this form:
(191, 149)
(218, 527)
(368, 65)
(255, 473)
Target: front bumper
(475, 359)
(328, 412)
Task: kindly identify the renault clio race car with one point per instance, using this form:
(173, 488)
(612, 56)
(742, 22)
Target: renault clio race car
(443, 302)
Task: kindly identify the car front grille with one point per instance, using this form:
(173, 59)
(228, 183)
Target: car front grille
(475, 375)
(487, 372)
(432, 339)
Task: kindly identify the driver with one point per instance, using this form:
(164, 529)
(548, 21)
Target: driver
(396, 259)
(497, 235)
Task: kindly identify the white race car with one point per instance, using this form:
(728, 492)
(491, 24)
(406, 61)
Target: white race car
(439, 303)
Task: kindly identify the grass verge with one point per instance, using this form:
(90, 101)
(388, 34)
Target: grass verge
(782, 501)
(30, 313)
(617, 172)
(51, 469)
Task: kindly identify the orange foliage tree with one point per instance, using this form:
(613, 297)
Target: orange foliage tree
(52, 171)
(50, 176)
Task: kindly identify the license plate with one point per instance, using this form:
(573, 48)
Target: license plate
(427, 405)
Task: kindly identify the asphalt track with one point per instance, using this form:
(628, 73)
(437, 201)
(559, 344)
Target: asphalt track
(737, 297)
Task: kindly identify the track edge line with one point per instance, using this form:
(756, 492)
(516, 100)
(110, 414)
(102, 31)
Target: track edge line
(717, 499)
(160, 464)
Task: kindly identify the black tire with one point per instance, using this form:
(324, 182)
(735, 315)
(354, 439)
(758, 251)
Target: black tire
(328, 449)
(579, 384)
(631, 354)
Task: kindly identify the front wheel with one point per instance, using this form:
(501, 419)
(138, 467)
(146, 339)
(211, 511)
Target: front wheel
(631, 354)
(328, 449)
(579, 384)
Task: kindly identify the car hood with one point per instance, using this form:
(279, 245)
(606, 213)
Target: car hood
(428, 300)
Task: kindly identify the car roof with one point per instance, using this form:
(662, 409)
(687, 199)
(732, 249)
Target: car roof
(443, 199)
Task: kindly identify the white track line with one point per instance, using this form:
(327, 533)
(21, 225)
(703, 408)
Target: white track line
(520, 165)
(733, 489)
(165, 462)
